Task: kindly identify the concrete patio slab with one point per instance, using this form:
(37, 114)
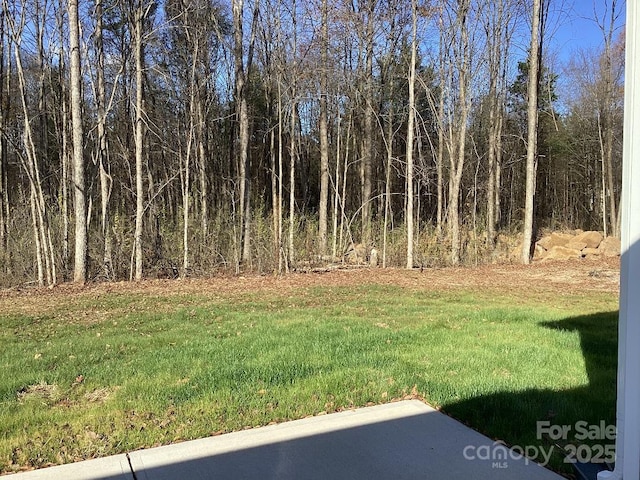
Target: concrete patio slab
(402, 440)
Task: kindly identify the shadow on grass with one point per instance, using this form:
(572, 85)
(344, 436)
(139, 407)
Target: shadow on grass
(514, 415)
(427, 445)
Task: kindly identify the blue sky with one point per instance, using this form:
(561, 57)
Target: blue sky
(575, 28)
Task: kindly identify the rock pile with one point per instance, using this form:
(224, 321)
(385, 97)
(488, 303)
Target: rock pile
(565, 246)
(360, 254)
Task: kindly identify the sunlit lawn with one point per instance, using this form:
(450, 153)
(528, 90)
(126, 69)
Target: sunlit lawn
(97, 376)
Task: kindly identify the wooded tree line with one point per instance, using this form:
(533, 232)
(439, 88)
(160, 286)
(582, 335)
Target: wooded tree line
(140, 138)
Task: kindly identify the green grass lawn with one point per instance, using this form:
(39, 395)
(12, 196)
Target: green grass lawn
(97, 375)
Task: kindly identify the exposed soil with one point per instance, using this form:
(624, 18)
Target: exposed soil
(570, 277)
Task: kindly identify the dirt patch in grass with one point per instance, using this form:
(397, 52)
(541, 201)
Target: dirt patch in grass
(570, 277)
(42, 391)
(99, 395)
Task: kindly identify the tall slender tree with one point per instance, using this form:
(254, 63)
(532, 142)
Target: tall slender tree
(324, 132)
(139, 131)
(3, 142)
(607, 127)
(457, 156)
(102, 147)
(410, 132)
(63, 124)
(497, 21)
(242, 69)
(293, 133)
(80, 208)
(44, 252)
(532, 131)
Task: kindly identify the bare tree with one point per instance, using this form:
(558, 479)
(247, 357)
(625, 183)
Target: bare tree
(532, 132)
(44, 252)
(444, 77)
(63, 124)
(4, 200)
(185, 170)
(281, 259)
(410, 133)
(282, 264)
(336, 192)
(606, 125)
(242, 117)
(102, 150)
(293, 134)
(366, 171)
(139, 130)
(457, 158)
(80, 262)
(497, 19)
(389, 146)
(274, 65)
(324, 133)
(201, 140)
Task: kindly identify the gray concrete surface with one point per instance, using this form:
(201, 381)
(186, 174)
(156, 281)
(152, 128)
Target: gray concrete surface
(402, 440)
(115, 467)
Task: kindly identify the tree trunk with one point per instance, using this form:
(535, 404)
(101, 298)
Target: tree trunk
(3, 142)
(80, 208)
(493, 30)
(324, 135)
(103, 149)
(139, 137)
(195, 132)
(343, 196)
(245, 200)
(45, 258)
(613, 207)
(506, 28)
(292, 182)
(336, 193)
(457, 160)
(293, 137)
(440, 119)
(186, 188)
(498, 169)
(242, 116)
(491, 181)
(37, 237)
(609, 120)
(603, 184)
(44, 248)
(410, 127)
(274, 194)
(201, 131)
(63, 154)
(532, 134)
(440, 166)
(281, 259)
(388, 166)
(367, 142)
(41, 136)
